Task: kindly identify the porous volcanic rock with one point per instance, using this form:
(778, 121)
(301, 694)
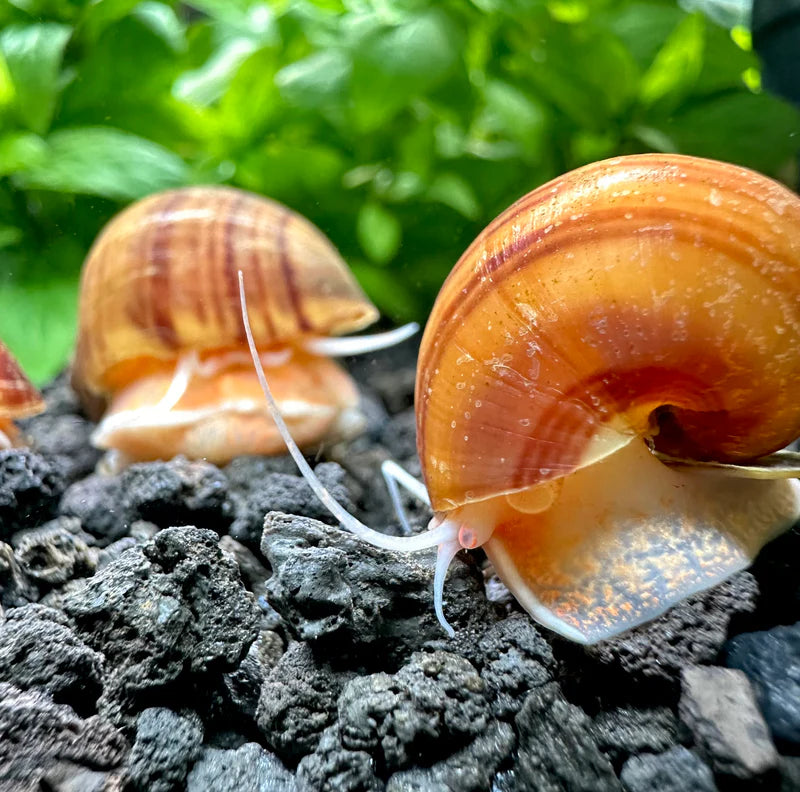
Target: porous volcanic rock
(248, 768)
(676, 770)
(30, 488)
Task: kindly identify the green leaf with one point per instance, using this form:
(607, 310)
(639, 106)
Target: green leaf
(452, 190)
(33, 56)
(399, 63)
(9, 235)
(678, 63)
(756, 130)
(106, 162)
(20, 150)
(37, 322)
(379, 232)
(164, 22)
(318, 81)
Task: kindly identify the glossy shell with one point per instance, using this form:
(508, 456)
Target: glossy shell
(161, 279)
(18, 397)
(654, 294)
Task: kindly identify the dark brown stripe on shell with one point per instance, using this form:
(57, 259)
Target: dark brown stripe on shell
(288, 273)
(230, 268)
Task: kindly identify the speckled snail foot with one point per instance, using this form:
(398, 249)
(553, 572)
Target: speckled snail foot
(601, 382)
(161, 353)
(18, 398)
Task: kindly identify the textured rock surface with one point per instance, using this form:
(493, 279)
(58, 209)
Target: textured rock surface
(246, 769)
(771, 660)
(333, 588)
(557, 748)
(626, 731)
(719, 708)
(677, 770)
(30, 488)
(172, 607)
(40, 740)
(166, 746)
(39, 650)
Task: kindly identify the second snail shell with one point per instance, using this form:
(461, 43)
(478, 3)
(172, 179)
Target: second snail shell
(159, 299)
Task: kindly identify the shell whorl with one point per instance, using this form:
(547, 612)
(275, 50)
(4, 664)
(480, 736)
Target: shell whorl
(162, 278)
(639, 283)
(18, 396)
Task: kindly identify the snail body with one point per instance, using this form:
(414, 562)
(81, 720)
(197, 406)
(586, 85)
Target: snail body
(18, 398)
(161, 349)
(599, 383)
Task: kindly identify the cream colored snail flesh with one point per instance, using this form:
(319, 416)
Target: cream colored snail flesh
(161, 352)
(601, 382)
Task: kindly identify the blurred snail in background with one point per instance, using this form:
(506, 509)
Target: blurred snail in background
(18, 398)
(601, 386)
(161, 350)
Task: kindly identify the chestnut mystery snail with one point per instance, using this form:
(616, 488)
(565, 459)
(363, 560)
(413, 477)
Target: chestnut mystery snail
(601, 385)
(18, 398)
(161, 352)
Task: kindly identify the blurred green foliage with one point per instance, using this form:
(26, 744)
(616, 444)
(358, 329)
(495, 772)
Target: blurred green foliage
(400, 127)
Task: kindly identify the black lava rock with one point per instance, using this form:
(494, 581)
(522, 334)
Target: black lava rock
(433, 706)
(676, 770)
(557, 749)
(55, 553)
(297, 702)
(39, 650)
(166, 746)
(16, 589)
(99, 503)
(248, 768)
(30, 488)
(43, 744)
(771, 660)
(334, 768)
(470, 770)
(719, 708)
(334, 589)
(625, 731)
(171, 608)
(291, 494)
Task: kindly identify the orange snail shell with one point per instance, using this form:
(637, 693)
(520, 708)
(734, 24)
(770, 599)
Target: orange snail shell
(650, 296)
(18, 397)
(161, 282)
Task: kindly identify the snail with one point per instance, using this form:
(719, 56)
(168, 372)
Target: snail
(602, 387)
(18, 398)
(160, 350)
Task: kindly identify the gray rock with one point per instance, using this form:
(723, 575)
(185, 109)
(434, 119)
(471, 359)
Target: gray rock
(297, 702)
(245, 474)
(16, 589)
(471, 769)
(719, 708)
(676, 770)
(98, 502)
(291, 494)
(691, 633)
(625, 732)
(334, 768)
(771, 660)
(790, 773)
(248, 768)
(433, 706)
(178, 492)
(244, 685)
(514, 658)
(254, 573)
(30, 488)
(39, 650)
(56, 552)
(64, 438)
(334, 589)
(38, 738)
(557, 751)
(166, 746)
(171, 609)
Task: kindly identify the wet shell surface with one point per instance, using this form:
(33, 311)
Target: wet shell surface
(656, 295)
(18, 397)
(161, 280)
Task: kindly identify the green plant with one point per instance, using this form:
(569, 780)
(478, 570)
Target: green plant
(400, 127)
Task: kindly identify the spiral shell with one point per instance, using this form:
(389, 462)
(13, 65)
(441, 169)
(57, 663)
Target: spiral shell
(18, 397)
(161, 279)
(654, 295)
